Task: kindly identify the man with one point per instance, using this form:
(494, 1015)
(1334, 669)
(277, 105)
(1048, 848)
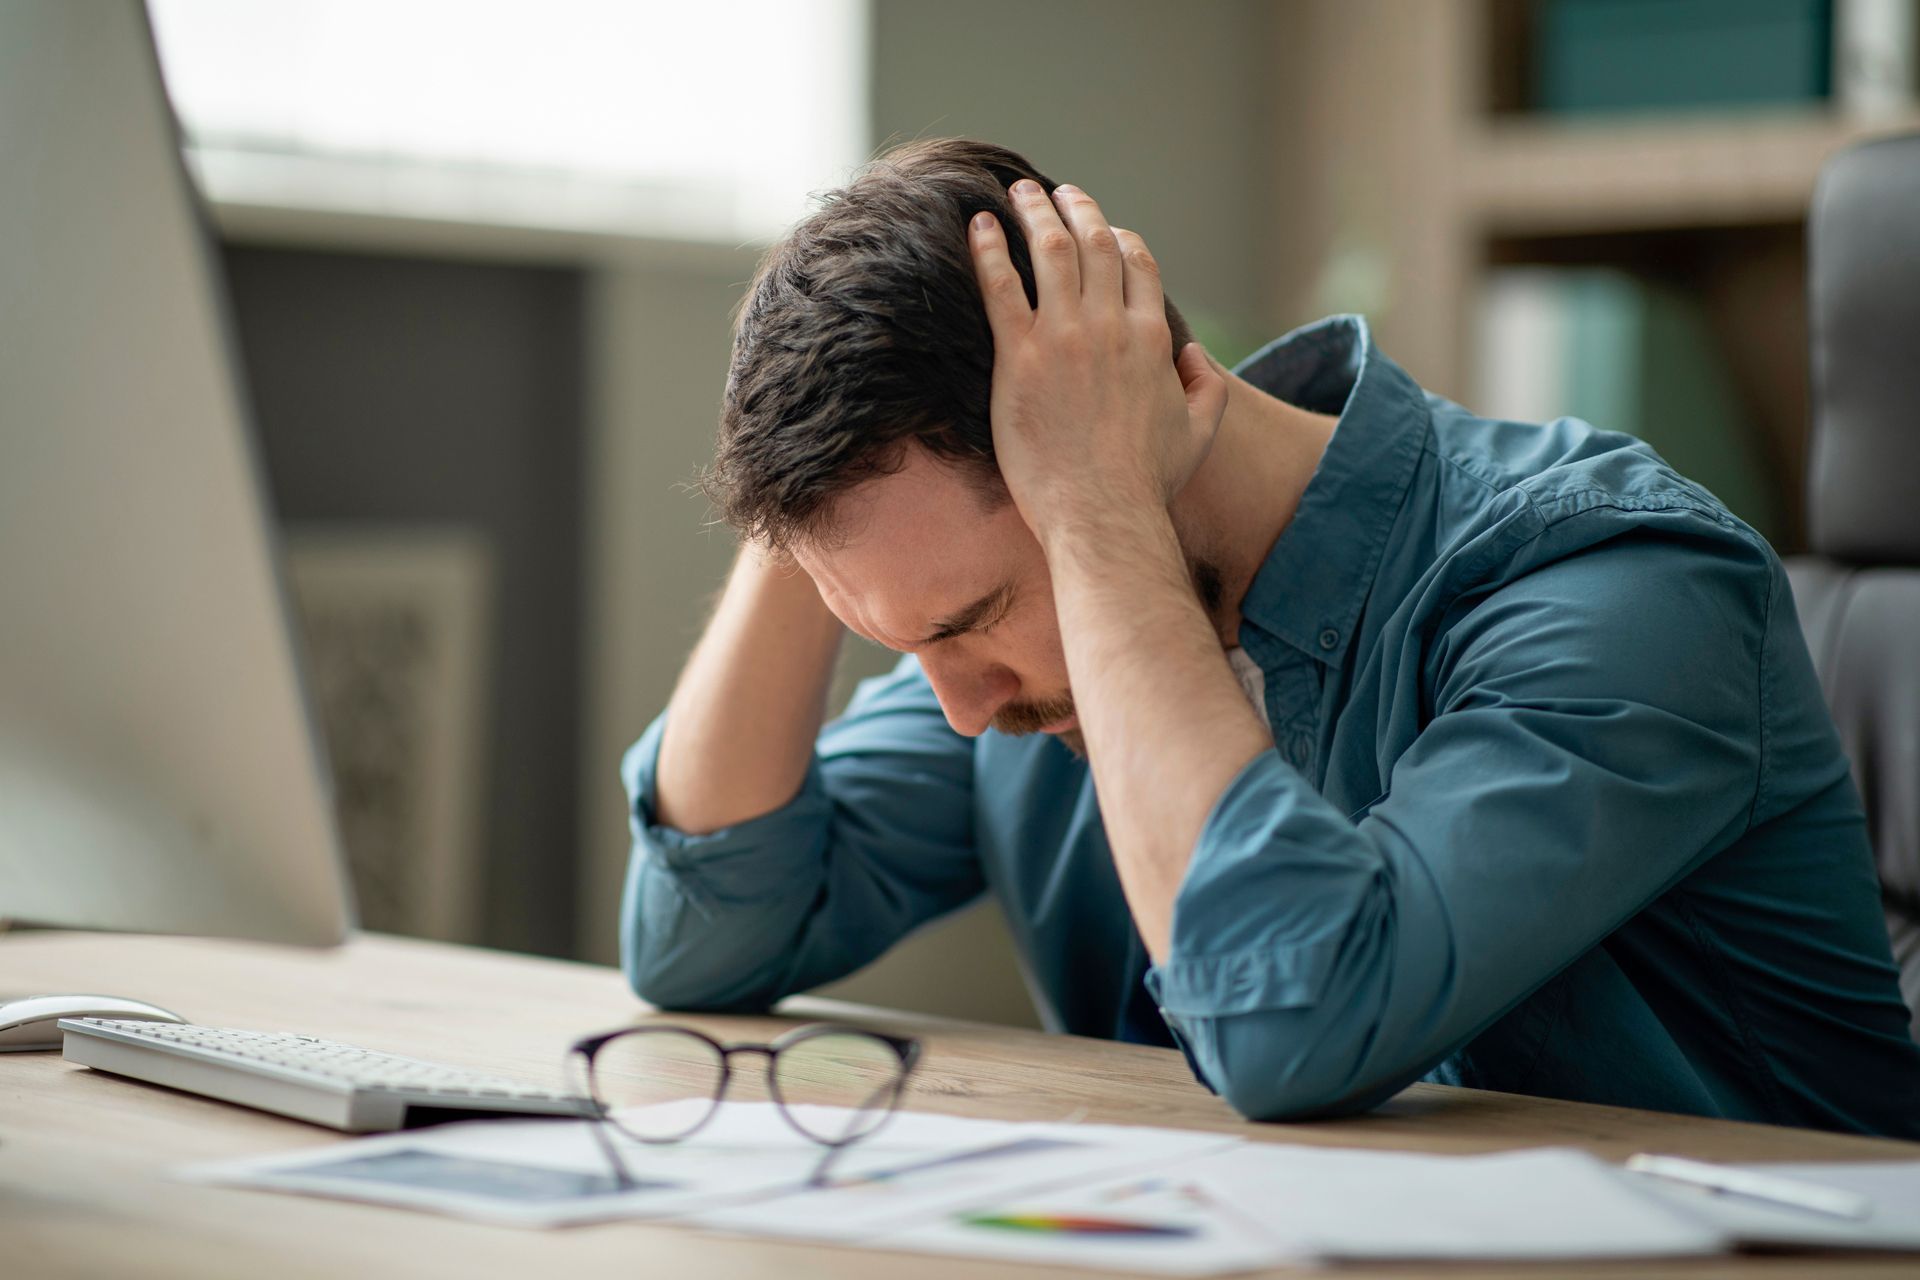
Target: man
(1295, 716)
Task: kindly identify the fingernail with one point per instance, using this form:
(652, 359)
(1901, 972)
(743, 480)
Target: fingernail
(982, 221)
(1026, 187)
(1067, 189)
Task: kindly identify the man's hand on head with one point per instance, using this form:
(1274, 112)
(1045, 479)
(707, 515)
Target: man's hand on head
(1095, 430)
(1091, 417)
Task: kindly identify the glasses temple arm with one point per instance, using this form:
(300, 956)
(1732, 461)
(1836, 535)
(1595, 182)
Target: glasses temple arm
(599, 1124)
(819, 1177)
(894, 1088)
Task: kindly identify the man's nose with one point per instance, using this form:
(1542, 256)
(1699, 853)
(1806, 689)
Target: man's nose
(970, 694)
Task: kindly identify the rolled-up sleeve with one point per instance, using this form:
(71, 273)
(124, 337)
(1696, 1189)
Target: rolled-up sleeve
(877, 841)
(1595, 735)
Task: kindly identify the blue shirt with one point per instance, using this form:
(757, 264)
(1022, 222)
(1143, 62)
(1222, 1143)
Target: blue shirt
(1554, 807)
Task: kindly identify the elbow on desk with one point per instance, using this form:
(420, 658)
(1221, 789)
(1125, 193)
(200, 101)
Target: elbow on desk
(667, 977)
(1285, 1104)
(663, 988)
(668, 953)
(1276, 1099)
(1288, 1066)
(651, 982)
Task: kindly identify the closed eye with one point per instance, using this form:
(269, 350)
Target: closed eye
(985, 612)
(1001, 609)
(999, 616)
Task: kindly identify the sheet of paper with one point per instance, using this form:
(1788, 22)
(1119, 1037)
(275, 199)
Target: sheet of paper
(1163, 1222)
(1545, 1203)
(550, 1173)
(1105, 1196)
(1893, 1186)
(881, 1196)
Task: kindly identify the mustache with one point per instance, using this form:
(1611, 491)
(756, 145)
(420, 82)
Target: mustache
(1017, 718)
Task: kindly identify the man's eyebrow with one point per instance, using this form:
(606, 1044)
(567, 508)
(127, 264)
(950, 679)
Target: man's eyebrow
(964, 620)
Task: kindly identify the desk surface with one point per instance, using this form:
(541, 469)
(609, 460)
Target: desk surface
(84, 1156)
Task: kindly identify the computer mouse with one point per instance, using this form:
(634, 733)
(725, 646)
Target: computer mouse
(34, 1021)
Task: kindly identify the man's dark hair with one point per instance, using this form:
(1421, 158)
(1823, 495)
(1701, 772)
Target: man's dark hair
(863, 332)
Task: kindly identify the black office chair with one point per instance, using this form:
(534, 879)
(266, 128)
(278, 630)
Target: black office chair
(1859, 592)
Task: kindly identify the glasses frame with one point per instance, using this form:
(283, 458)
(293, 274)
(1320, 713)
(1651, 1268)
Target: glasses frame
(587, 1051)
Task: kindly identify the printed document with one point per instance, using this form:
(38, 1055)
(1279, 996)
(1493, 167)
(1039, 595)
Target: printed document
(1110, 1197)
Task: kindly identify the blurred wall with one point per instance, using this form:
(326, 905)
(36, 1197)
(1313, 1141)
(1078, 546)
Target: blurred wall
(1163, 112)
(393, 392)
(659, 333)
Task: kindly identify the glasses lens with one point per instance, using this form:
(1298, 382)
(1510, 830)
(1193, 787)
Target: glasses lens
(842, 1069)
(648, 1066)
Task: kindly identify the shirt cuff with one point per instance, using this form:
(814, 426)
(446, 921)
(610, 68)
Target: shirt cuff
(1257, 919)
(768, 857)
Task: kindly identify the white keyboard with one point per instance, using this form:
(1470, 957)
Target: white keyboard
(337, 1085)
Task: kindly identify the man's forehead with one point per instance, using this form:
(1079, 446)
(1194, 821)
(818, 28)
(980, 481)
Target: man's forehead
(916, 487)
(925, 510)
(912, 546)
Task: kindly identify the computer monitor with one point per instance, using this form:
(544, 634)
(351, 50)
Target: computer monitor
(159, 766)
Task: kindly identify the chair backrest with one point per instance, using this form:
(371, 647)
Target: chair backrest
(1859, 592)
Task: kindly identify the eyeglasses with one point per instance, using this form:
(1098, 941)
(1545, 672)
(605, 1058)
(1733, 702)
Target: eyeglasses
(862, 1073)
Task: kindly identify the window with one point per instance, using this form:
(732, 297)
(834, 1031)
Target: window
(707, 121)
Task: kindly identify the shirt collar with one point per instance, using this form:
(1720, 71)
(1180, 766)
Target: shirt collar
(1316, 579)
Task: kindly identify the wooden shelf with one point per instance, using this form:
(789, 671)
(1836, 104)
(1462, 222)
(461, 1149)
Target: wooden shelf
(1546, 178)
(1407, 148)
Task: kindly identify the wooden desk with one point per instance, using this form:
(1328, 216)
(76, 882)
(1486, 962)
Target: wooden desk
(84, 1156)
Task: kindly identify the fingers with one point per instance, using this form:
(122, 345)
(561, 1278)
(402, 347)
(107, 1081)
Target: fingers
(1000, 288)
(1098, 246)
(1142, 275)
(1205, 385)
(1076, 256)
(1056, 258)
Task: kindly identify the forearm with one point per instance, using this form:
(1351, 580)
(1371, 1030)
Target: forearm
(1166, 724)
(1095, 433)
(778, 903)
(743, 718)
